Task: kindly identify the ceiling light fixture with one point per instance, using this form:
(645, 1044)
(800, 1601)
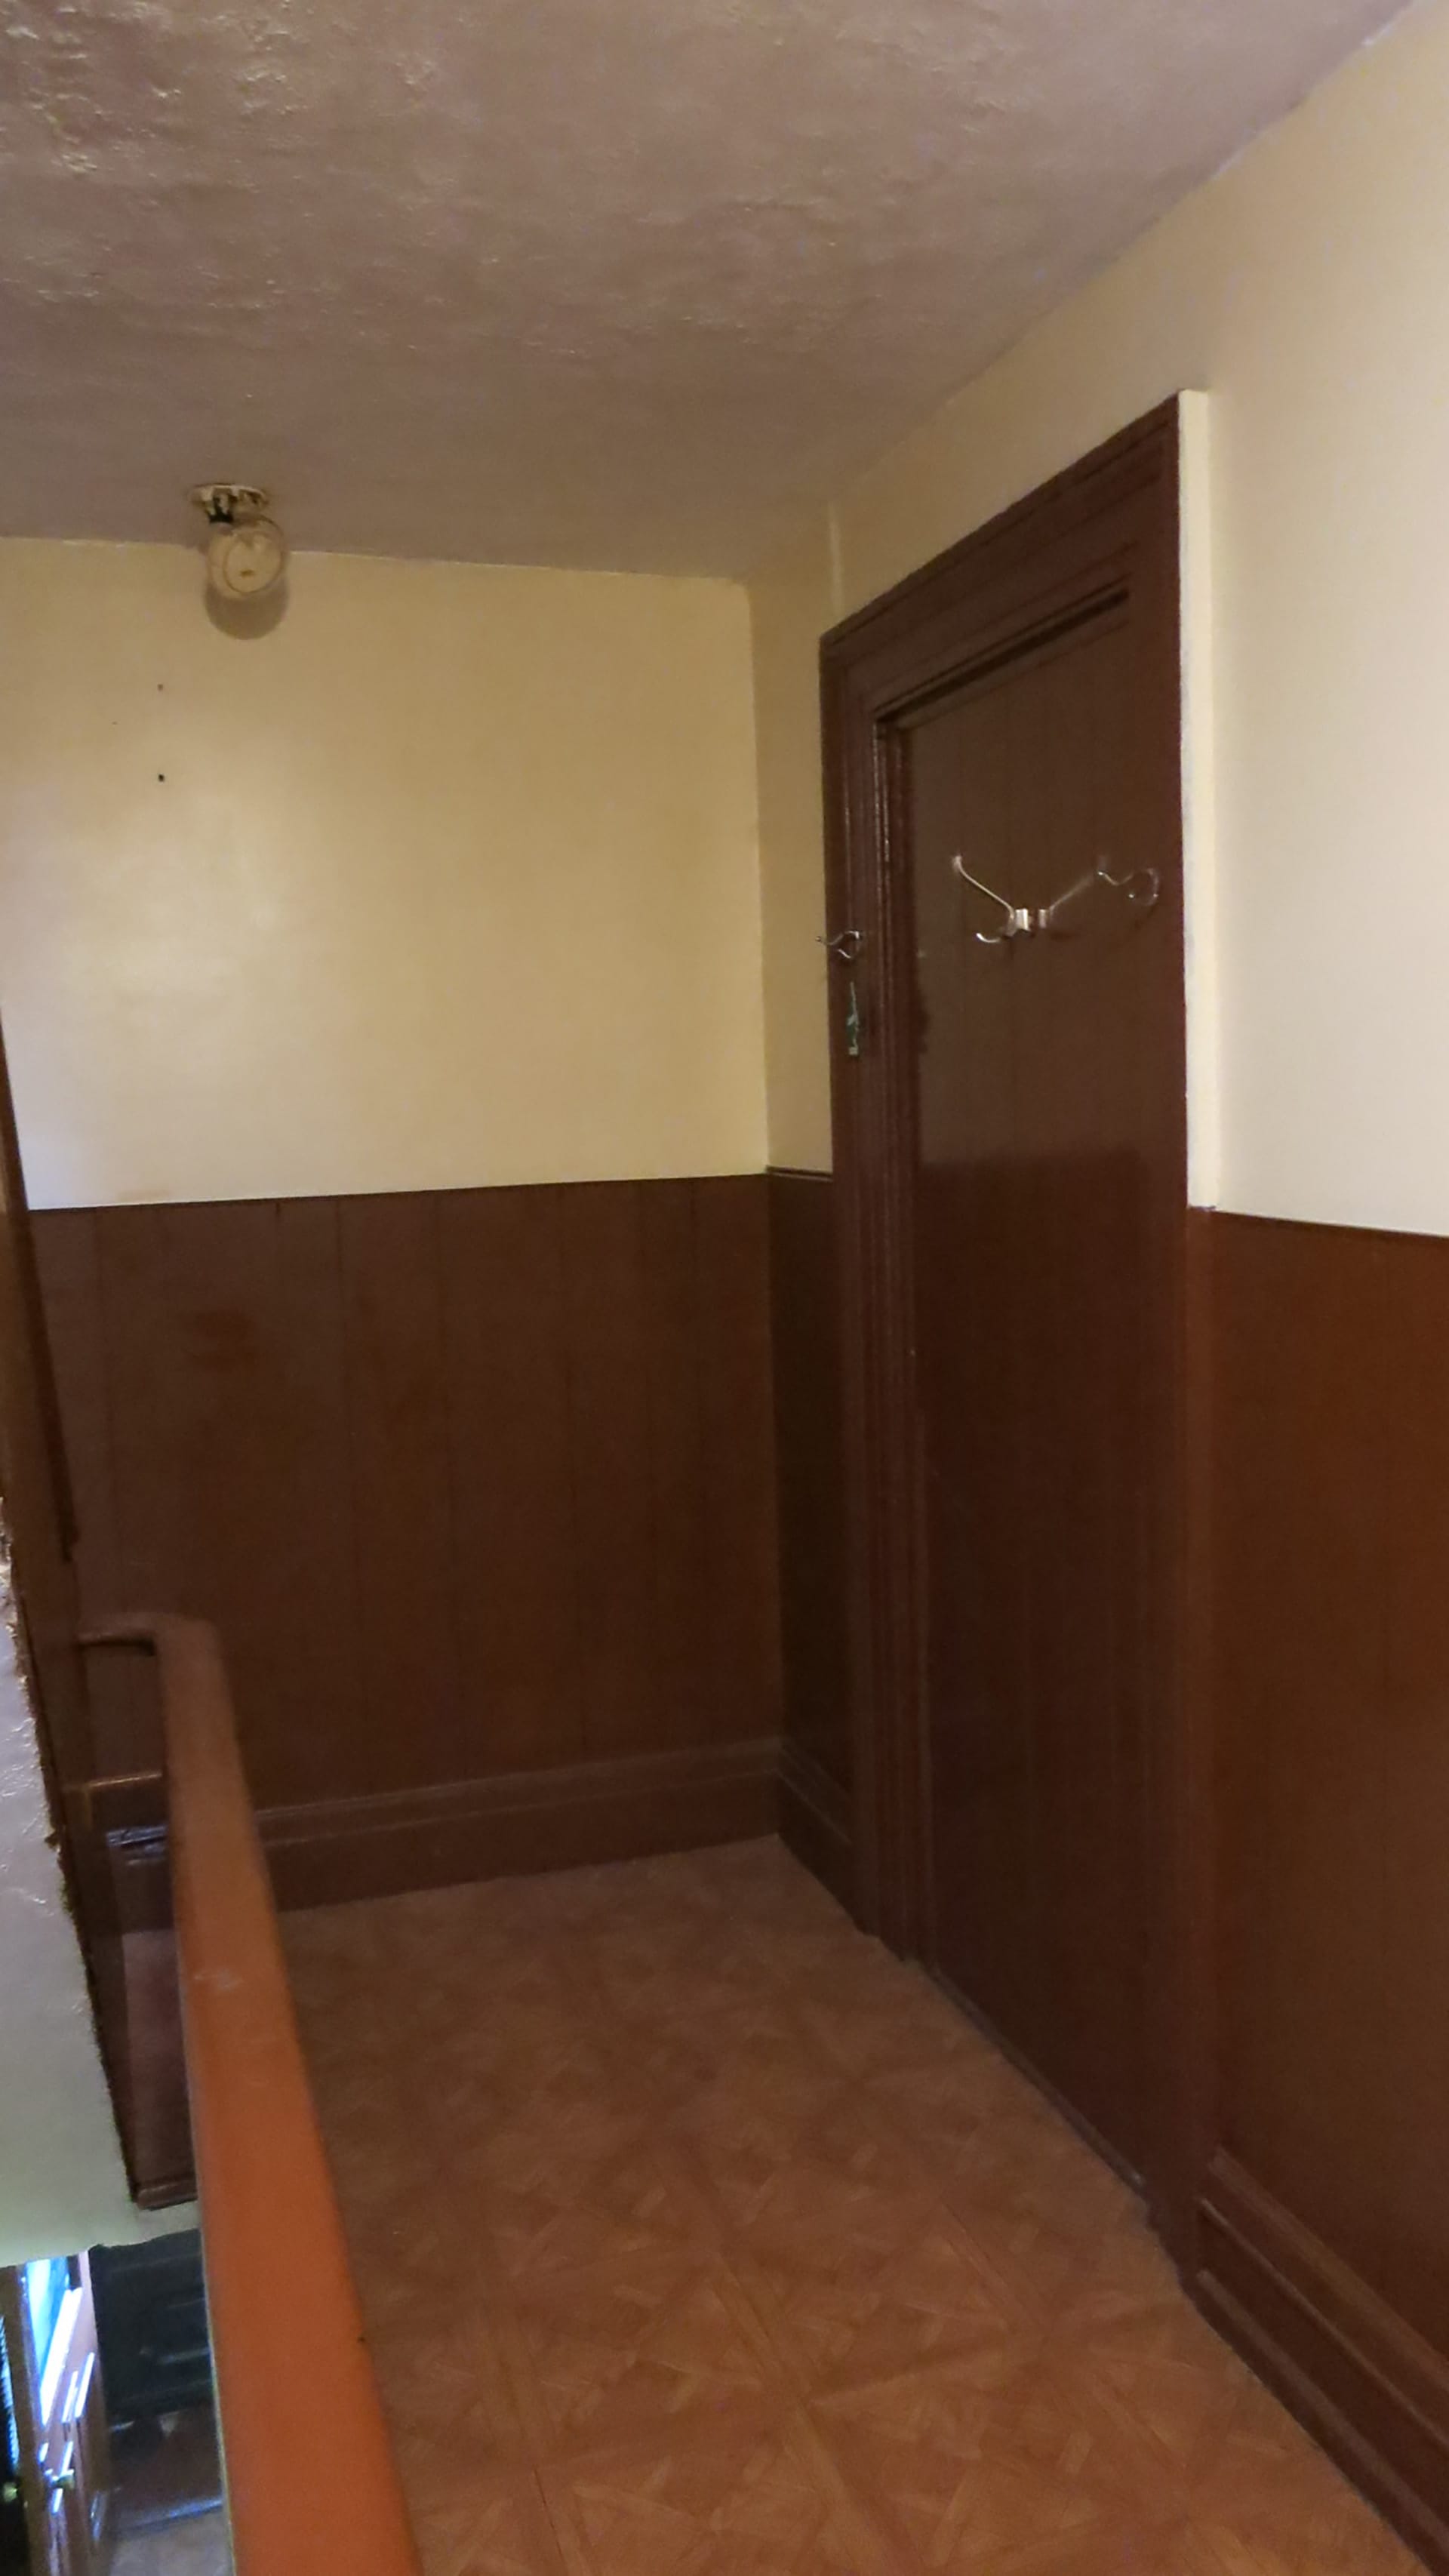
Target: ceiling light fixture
(246, 553)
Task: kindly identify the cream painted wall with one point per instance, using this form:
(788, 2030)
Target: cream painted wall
(62, 2186)
(1306, 289)
(791, 604)
(451, 878)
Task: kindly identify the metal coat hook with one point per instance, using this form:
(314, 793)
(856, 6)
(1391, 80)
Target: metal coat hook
(1018, 921)
(1141, 886)
(845, 946)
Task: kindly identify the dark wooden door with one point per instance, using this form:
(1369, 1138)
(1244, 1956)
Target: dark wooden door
(1010, 1102)
(1037, 1124)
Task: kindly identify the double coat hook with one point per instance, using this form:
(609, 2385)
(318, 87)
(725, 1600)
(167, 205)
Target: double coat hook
(1141, 886)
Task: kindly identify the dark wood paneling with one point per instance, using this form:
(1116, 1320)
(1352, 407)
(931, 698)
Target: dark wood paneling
(813, 1610)
(503, 1257)
(1374, 2393)
(1298, 1413)
(607, 1334)
(160, 2119)
(473, 1483)
(738, 1451)
(1415, 1782)
(412, 1726)
(68, 1263)
(1325, 2208)
(815, 1821)
(204, 1390)
(677, 1497)
(325, 1679)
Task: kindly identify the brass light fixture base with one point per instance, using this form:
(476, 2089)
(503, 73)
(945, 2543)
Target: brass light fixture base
(223, 503)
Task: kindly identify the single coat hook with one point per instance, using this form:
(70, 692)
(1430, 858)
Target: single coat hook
(1141, 886)
(844, 944)
(1018, 923)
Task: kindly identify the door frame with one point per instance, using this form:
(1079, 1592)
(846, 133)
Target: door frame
(60, 2423)
(1026, 575)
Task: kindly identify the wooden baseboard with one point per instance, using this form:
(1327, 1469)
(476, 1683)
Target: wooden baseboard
(335, 1849)
(815, 1821)
(1362, 2381)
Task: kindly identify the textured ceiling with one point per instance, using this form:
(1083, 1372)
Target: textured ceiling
(565, 281)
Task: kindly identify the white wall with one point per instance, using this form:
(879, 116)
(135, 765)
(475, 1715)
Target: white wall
(62, 2186)
(1306, 290)
(451, 878)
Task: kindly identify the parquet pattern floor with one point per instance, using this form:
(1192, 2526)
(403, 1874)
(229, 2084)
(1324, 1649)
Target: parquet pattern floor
(697, 2234)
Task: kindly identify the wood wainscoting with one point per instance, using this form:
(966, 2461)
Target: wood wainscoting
(478, 1487)
(815, 1765)
(1317, 2196)
(1323, 2213)
(481, 1489)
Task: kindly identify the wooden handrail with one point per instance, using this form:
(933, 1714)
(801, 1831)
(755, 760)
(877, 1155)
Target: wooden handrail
(312, 2486)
